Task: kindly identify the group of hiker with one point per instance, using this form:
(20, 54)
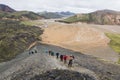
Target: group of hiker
(63, 58)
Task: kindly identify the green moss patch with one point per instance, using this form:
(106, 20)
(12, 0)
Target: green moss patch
(115, 42)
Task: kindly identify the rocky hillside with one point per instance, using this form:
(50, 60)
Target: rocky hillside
(102, 17)
(6, 8)
(15, 38)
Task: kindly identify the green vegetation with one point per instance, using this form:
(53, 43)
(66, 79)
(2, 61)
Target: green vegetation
(71, 19)
(15, 38)
(76, 18)
(115, 42)
(3, 14)
(32, 23)
(21, 15)
(119, 61)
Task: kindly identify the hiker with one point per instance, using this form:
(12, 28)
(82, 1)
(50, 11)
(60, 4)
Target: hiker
(57, 55)
(72, 56)
(70, 63)
(52, 53)
(61, 57)
(29, 52)
(65, 59)
(35, 51)
(49, 52)
(32, 52)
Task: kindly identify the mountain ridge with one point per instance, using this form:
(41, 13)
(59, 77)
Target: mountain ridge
(103, 17)
(7, 12)
(6, 8)
(50, 15)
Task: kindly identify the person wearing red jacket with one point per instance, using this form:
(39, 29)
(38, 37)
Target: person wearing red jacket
(65, 59)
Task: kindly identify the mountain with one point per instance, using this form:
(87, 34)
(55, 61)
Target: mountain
(49, 15)
(6, 8)
(8, 13)
(24, 15)
(66, 14)
(102, 17)
(20, 15)
(105, 17)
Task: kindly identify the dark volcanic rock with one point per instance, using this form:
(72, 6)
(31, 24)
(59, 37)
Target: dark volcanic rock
(62, 75)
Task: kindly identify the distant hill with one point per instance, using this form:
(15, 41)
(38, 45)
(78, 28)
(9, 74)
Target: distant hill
(6, 8)
(49, 15)
(24, 15)
(109, 17)
(8, 13)
(66, 14)
(20, 15)
(52, 15)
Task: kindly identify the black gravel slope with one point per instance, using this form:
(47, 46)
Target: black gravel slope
(105, 70)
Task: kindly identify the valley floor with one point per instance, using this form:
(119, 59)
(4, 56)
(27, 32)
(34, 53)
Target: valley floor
(87, 43)
(90, 39)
